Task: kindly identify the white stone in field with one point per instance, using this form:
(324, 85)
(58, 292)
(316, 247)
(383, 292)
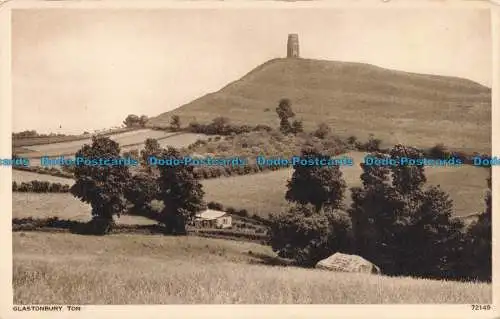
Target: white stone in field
(347, 263)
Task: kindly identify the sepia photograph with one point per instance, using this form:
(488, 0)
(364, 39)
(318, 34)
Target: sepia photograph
(251, 155)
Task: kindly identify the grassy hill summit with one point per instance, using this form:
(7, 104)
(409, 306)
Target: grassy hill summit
(354, 99)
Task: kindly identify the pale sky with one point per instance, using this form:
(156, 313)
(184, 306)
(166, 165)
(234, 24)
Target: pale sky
(88, 69)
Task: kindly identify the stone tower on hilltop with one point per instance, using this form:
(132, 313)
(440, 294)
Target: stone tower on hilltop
(292, 48)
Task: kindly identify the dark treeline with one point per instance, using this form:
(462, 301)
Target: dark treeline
(40, 187)
(33, 133)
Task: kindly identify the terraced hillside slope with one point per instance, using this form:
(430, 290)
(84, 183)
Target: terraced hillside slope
(133, 140)
(354, 99)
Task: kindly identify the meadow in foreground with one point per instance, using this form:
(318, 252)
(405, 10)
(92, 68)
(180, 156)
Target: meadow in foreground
(134, 269)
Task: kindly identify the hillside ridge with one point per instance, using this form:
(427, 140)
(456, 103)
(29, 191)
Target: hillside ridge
(354, 99)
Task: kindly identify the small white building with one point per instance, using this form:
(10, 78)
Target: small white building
(213, 219)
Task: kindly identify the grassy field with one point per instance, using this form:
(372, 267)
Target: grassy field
(133, 269)
(262, 193)
(128, 141)
(354, 99)
(31, 141)
(177, 141)
(64, 148)
(64, 206)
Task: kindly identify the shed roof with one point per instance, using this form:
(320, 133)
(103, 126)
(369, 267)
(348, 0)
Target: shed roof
(210, 214)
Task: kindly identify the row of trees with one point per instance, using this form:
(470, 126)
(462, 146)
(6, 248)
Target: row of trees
(33, 133)
(393, 221)
(222, 126)
(108, 189)
(133, 120)
(40, 187)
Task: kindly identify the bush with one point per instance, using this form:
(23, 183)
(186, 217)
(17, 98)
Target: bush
(215, 206)
(322, 131)
(243, 212)
(205, 173)
(228, 170)
(261, 127)
(221, 126)
(307, 235)
(30, 223)
(372, 145)
(439, 151)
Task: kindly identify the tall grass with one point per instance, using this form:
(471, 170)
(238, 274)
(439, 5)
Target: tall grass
(130, 269)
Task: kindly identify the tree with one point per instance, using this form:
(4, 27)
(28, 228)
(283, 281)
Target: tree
(132, 120)
(322, 131)
(372, 210)
(439, 236)
(307, 235)
(373, 144)
(478, 249)
(25, 134)
(181, 192)
(284, 109)
(410, 178)
(142, 190)
(390, 217)
(317, 185)
(175, 122)
(439, 151)
(194, 126)
(143, 120)
(353, 142)
(102, 186)
(285, 126)
(151, 149)
(219, 124)
(285, 112)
